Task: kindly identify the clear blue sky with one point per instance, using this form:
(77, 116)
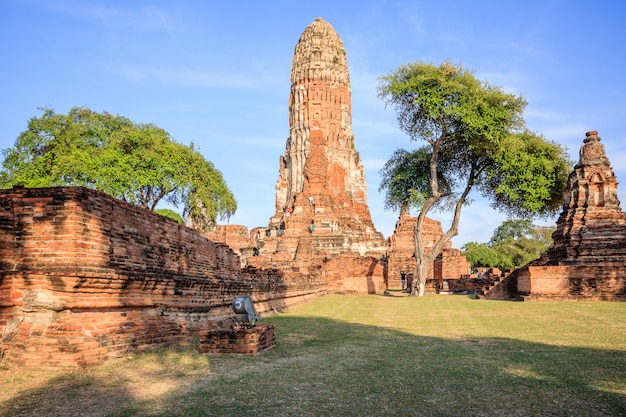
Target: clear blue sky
(217, 74)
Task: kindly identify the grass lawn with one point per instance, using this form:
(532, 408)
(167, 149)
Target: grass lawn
(366, 355)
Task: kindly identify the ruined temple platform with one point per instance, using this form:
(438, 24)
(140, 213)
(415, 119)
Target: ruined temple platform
(239, 340)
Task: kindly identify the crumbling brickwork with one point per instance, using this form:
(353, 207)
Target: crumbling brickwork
(350, 273)
(451, 264)
(239, 340)
(588, 259)
(85, 276)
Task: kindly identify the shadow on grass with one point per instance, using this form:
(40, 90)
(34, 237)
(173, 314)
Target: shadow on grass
(323, 367)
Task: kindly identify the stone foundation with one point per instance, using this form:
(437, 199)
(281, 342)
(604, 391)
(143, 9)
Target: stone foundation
(239, 340)
(580, 282)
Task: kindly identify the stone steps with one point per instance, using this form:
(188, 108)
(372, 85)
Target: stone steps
(487, 288)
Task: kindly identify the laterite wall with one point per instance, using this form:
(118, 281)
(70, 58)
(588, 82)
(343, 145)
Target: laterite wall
(564, 282)
(84, 277)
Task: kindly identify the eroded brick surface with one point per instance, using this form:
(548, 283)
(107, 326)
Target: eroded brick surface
(85, 277)
(588, 260)
(321, 182)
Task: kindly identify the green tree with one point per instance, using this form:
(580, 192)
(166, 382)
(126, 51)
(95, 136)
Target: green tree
(513, 244)
(475, 139)
(404, 177)
(480, 255)
(171, 214)
(138, 163)
(511, 230)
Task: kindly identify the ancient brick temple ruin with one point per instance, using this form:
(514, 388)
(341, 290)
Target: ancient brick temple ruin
(588, 259)
(84, 276)
(322, 223)
(321, 193)
(449, 266)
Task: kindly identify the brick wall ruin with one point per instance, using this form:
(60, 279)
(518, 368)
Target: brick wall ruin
(450, 264)
(85, 276)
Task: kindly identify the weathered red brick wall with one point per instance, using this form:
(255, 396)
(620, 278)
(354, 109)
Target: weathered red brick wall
(598, 282)
(85, 276)
(349, 273)
(235, 236)
(454, 264)
(564, 282)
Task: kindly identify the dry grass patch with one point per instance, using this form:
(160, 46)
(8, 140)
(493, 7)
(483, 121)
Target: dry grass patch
(367, 355)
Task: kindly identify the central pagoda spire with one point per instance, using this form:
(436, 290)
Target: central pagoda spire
(319, 156)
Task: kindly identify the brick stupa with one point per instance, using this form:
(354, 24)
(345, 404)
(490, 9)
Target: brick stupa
(592, 226)
(588, 259)
(450, 264)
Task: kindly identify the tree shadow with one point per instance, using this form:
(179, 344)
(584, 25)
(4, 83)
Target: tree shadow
(328, 367)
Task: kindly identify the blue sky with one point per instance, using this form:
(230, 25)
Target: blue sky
(217, 74)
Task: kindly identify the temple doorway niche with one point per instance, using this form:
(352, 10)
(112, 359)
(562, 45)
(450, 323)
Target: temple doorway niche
(596, 189)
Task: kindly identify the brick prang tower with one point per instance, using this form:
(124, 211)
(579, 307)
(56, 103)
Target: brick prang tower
(320, 160)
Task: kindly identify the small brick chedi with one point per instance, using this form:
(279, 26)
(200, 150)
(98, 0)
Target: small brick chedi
(588, 259)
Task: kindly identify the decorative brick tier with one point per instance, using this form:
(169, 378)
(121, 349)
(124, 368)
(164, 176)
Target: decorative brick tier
(239, 340)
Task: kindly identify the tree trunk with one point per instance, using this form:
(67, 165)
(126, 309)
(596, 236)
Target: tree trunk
(423, 262)
(423, 266)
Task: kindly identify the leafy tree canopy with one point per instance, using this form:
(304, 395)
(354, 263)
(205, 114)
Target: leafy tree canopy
(171, 214)
(406, 181)
(138, 163)
(511, 230)
(475, 139)
(514, 243)
(480, 254)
